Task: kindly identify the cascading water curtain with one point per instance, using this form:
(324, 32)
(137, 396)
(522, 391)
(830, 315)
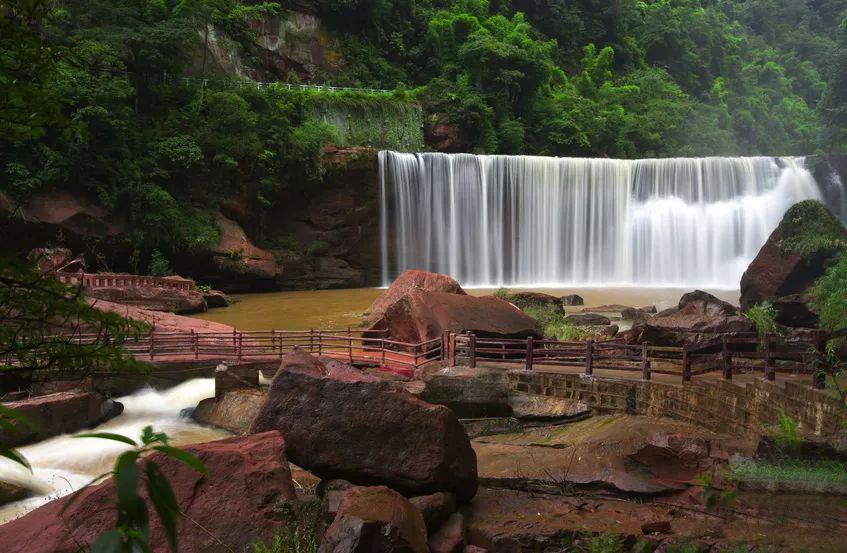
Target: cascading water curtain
(493, 221)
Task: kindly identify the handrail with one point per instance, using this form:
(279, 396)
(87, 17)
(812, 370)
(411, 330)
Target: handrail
(117, 280)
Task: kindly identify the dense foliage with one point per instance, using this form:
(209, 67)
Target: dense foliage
(94, 99)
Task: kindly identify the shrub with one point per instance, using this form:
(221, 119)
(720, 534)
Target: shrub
(502, 293)
(764, 317)
(316, 248)
(786, 435)
(829, 295)
(809, 226)
(159, 265)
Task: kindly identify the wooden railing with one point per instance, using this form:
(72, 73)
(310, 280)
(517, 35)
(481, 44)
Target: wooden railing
(728, 354)
(111, 280)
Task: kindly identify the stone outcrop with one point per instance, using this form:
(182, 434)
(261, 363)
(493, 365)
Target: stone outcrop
(407, 282)
(436, 509)
(161, 321)
(338, 423)
(796, 254)
(528, 299)
(236, 262)
(588, 319)
(626, 453)
(216, 299)
(699, 317)
(635, 315)
(572, 300)
(450, 538)
(420, 315)
(247, 495)
(59, 413)
(375, 520)
(235, 411)
(49, 260)
(151, 297)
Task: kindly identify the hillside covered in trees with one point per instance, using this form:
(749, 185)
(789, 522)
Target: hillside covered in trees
(106, 97)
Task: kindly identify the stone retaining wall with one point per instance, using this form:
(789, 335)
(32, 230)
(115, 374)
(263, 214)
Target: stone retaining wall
(723, 406)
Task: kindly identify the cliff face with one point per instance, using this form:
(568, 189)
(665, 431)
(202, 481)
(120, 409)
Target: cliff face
(830, 172)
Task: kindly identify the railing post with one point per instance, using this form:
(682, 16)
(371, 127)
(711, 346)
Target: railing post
(686, 365)
(445, 339)
(819, 378)
(415, 361)
(234, 340)
(152, 345)
(240, 345)
(382, 352)
(320, 342)
(589, 357)
(350, 344)
(311, 340)
(645, 362)
(727, 358)
(770, 363)
(196, 345)
(451, 347)
(472, 351)
(530, 352)
(273, 340)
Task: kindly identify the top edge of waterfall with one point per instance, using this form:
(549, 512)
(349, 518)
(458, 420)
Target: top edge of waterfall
(609, 159)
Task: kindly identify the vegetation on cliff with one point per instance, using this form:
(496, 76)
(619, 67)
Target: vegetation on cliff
(94, 96)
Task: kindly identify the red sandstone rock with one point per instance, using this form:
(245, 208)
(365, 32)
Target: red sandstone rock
(152, 297)
(405, 283)
(161, 321)
(344, 424)
(235, 411)
(588, 319)
(698, 317)
(420, 316)
(572, 299)
(235, 253)
(375, 520)
(239, 502)
(73, 214)
(59, 413)
(435, 508)
(450, 538)
(524, 299)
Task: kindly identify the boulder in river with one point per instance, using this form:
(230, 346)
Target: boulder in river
(535, 299)
(248, 495)
(572, 300)
(419, 316)
(234, 411)
(347, 426)
(405, 283)
(796, 254)
(58, 413)
(588, 319)
(700, 316)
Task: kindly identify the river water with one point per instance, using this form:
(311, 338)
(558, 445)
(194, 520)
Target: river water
(339, 309)
(64, 464)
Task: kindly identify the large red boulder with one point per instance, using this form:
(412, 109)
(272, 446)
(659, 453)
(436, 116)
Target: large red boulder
(796, 254)
(375, 520)
(419, 316)
(699, 316)
(407, 282)
(57, 413)
(151, 296)
(242, 500)
(341, 424)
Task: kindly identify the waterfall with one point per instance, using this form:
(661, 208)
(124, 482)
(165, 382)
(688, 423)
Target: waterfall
(493, 221)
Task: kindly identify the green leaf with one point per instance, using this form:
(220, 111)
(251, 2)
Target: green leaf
(108, 436)
(12, 454)
(108, 542)
(140, 540)
(164, 501)
(126, 481)
(7, 415)
(184, 456)
(149, 437)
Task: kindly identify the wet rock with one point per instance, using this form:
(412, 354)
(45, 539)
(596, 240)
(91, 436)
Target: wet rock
(405, 283)
(572, 300)
(651, 309)
(609, 308)
(475, 549)
(216, 299)
(450, 538)
(151, 297)
(469, 393)
(793, 311)
(12, 492)
(528, 299)
(699, 317)
(790, 262)
(610, 331)
(634, 315)
(240, 500)
(533, 407)
(235, 411)
(344, 424)
(375, 520)
(435, 508)
(632, 454)
(588, 319)
(420, 316)
(163, 321)
(59, 413)
(331, 493)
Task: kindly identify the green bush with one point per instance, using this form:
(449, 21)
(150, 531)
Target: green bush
(829, 295)
(786, 435)
(316, 248)
(502, 293)
(159, 265)
(764, 317)
(807, 227)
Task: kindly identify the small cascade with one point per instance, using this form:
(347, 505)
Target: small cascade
(528, 221)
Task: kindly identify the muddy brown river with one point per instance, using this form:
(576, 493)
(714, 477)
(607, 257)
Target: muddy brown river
(336, 309)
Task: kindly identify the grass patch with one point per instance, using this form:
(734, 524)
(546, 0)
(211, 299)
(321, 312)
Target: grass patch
(814, 472)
